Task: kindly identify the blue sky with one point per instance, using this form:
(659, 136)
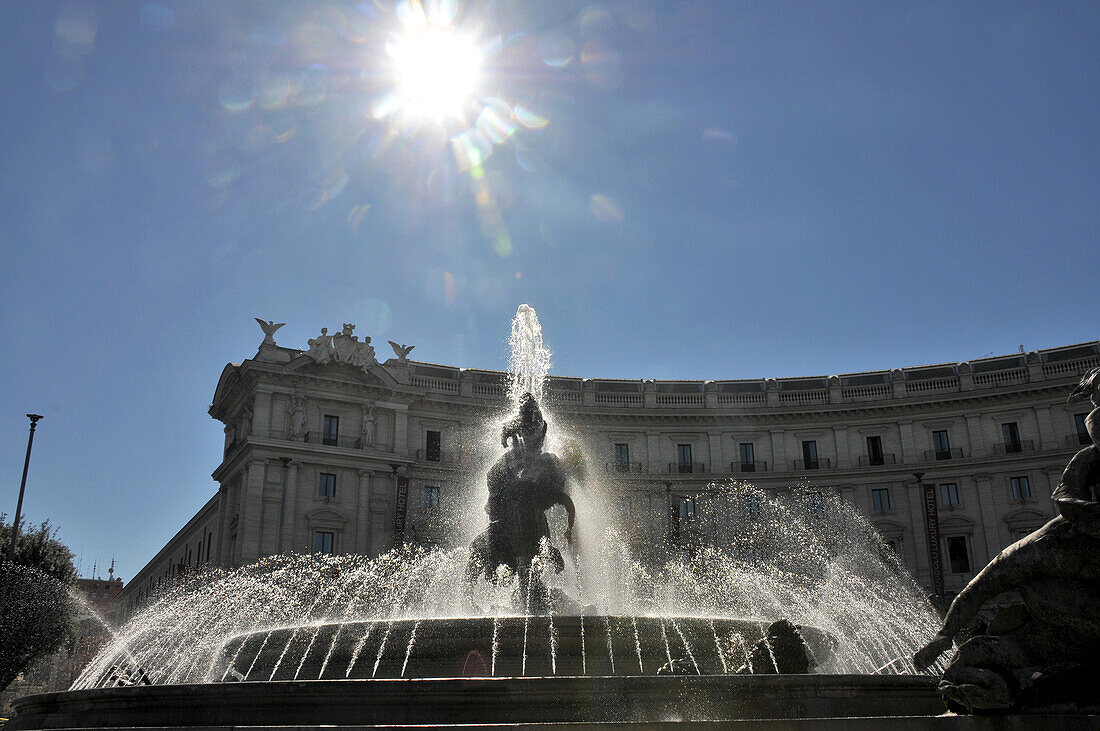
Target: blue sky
(719, 190)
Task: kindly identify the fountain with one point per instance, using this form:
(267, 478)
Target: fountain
(543, 614)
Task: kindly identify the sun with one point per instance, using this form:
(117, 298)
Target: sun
(437, 70)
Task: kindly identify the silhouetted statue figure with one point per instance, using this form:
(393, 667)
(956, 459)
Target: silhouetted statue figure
(1045, 652)
(523, 485)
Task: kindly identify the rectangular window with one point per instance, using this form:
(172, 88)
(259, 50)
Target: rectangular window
(1082, 431)
(1012, 438)
(322, 541)
(331, 430)
(1024, 533)
(683, 457)
(326, 484)
(433, 445)
(431, 497)
(941, 444)
(750, 506)
(880, 499)
(1021, 488)
(809, 454)
(748, 458)
(686, 508)
(957, 555)
(949, 494)
(874, 451)
(815, 502)
(622, 457)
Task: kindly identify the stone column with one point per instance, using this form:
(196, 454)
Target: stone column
(1047, 439)
(779, 451)
(840, 436)
(251, 519)
(290, 509)
(363, 513)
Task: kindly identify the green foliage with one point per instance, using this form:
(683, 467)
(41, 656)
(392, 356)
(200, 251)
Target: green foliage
(40, 549)
(36, 608)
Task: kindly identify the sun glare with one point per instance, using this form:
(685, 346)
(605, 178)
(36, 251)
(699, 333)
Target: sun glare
(437, 72)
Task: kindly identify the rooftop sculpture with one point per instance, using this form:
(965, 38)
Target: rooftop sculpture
(1044, 652)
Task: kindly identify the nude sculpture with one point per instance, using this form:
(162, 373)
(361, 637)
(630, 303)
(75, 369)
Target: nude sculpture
(1045, 652)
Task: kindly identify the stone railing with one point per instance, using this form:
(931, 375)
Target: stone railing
(803, 398)
(932, 385)
(741, 399)
(867, 393)
(679, 399)
(1071, 367)
(435, 384)
(1001, 378)
(492, 390)
(611, 398)
(898, 384)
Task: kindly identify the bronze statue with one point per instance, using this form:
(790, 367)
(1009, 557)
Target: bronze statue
(1045, 652)
(523, 484)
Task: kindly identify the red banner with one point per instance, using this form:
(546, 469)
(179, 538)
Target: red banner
(400, 509)
(932, 526)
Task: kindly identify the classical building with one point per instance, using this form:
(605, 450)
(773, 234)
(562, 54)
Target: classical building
(327, 449)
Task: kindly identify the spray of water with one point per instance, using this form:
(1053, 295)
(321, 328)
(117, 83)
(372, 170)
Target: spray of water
(748, 554)
(530, 360)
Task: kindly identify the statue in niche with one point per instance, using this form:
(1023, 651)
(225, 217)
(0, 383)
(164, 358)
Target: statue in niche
(523, 484)
(297, 413)
(369, 426)
(1045, 652)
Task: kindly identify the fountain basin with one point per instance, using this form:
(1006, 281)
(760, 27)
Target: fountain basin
(533, 646)
(484, 700)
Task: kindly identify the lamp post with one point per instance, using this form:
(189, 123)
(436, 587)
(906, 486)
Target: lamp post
(23, 485)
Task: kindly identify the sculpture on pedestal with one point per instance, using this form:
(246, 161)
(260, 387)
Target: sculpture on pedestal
(523, 485)
(1044, 652)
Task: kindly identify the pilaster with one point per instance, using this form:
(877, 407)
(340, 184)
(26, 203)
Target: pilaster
(261, 414)
(988, 514)
(717, 460)
(840, 436)
(974, 434)
(251, 517)
(1047, 440)
(363, 513)
(909, 452)
(401, 429)
(779, 451)
(290, 510)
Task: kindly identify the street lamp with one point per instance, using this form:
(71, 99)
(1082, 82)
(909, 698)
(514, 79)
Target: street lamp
(23, 485)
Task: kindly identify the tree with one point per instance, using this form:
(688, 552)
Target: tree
(36, 607)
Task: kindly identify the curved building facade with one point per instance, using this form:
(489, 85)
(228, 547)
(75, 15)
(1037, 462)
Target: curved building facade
(329, 449)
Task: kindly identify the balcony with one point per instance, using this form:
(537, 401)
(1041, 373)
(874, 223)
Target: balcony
(939, 455)
(877, 460)
(1078, 440)
(760, 465)
(821, 463)
(1020, 447)
(313, 437)
(627, 467)
(687, 468)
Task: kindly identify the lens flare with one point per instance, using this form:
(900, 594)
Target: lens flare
(438, 71)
